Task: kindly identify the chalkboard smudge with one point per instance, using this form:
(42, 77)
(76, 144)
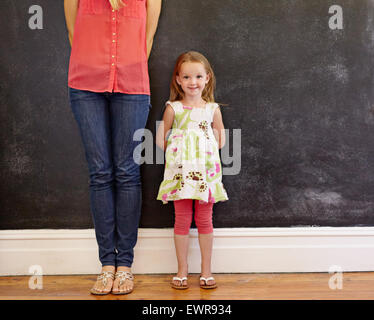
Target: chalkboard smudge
(17, 161)
(329, 198)
(339, 71)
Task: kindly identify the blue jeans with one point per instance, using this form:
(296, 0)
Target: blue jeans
(107, 122)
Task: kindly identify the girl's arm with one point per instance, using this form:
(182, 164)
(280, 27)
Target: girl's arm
(164, 127)
(153, 13)
(218, 128)
(71, 9)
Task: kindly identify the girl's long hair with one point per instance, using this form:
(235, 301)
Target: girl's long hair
(176, 92)
(116, 4)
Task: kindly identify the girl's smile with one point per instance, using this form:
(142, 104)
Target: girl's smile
(193, 79)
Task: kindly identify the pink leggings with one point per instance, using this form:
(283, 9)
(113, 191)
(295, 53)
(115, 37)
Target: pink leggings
(183, 216)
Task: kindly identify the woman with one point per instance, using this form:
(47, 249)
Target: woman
(110, 98)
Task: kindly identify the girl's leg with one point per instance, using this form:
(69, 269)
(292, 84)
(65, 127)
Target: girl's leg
(203, 220)
(91, 112)
(183, 219)
(128, 114)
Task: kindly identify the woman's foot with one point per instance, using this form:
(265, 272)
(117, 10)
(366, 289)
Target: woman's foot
(124, 281)
(104, 282)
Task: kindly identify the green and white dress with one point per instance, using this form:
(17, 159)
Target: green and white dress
(193, 168)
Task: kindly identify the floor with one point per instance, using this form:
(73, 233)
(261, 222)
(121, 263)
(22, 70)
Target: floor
(254, 286)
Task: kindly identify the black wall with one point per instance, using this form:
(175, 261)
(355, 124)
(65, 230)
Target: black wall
(301, 93)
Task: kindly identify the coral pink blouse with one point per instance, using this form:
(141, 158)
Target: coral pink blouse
(109, 49)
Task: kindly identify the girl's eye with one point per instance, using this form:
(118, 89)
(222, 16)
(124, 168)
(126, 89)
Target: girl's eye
(199, 77)
(185, 77)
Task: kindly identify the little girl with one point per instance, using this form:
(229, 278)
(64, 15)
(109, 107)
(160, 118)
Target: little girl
(193, 170)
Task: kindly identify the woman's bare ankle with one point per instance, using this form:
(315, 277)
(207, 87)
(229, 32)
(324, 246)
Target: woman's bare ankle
(123, 268)
(108, 268)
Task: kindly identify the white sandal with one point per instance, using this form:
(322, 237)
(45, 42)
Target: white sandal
(181, 286)
(205, 285)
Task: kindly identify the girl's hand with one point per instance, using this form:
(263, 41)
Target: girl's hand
(164, 127)
(218, 128)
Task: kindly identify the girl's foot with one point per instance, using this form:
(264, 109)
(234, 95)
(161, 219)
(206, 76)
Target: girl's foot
(180, 281)
(207, 282)
(124, 281)
(104, 282)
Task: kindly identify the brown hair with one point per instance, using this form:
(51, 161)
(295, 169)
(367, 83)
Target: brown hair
(176, 92)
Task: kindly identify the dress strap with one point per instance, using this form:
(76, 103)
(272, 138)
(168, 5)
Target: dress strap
(176, 105)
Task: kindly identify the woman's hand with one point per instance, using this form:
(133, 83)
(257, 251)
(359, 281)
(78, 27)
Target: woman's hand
(153, 13)
(71, 9)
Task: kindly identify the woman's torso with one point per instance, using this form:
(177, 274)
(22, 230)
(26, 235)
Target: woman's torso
(109, 51)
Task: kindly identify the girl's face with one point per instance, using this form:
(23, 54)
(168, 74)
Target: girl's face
(192, 78)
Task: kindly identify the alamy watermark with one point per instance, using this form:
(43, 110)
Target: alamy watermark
(232, 161)
(336, 280)
(36, 280)
(36, 20)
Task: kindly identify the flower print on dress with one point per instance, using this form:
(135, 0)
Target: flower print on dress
(195, 175)
(203, 125)
(202, 186)
(178, 176)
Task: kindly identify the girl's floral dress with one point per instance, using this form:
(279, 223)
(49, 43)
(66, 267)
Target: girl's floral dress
(193, 167)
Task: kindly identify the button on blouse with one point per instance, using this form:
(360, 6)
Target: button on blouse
(109, 49)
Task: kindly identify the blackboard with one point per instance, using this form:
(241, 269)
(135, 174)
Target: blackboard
(301, 92)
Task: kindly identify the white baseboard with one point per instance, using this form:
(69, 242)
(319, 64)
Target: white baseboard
(237, 250)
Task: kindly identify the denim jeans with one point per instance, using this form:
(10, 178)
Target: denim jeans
(107, 122)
